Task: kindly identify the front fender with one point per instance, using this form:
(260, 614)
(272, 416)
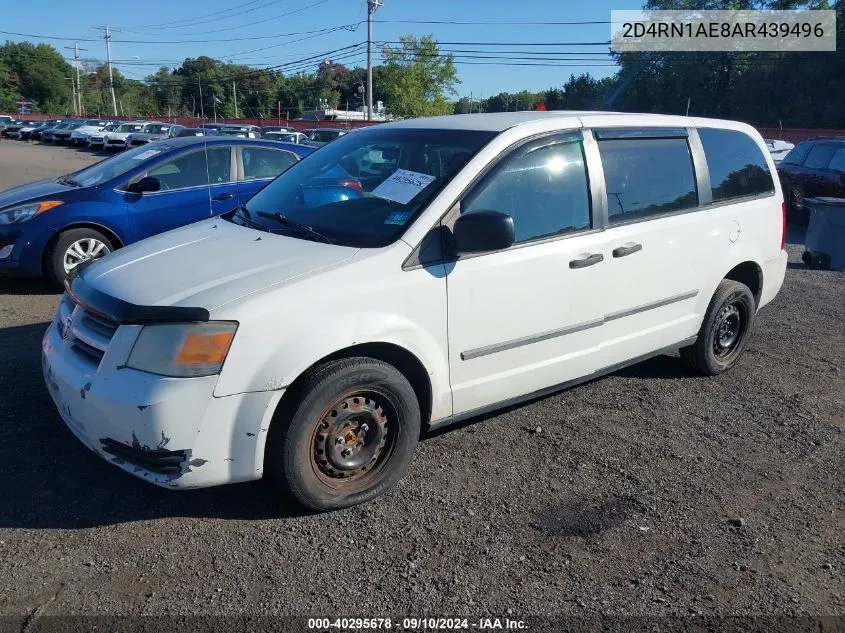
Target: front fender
(256, 364)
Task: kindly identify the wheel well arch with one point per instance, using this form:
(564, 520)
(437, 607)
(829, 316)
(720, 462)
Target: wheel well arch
(750, 274)
(399, 357)
(113, 237)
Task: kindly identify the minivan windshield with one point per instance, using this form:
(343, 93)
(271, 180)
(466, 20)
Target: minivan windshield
(364, 189)
(115, 166)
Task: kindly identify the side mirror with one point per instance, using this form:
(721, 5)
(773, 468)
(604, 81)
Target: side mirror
(146, 184)
(482, 231)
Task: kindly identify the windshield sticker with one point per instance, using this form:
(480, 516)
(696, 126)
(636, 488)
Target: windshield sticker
(399, 218)
(402, 186)
(145, 155)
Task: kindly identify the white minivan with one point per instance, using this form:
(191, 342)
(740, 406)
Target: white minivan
(408, 276)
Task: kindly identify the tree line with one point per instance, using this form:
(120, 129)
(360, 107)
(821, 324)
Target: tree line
(416, 79)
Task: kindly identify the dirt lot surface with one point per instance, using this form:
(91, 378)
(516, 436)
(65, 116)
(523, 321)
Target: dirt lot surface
(651, 491)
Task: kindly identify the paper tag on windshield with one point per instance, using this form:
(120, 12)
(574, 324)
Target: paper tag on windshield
(402, 186)
(148, 154)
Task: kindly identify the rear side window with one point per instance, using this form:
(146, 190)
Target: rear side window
(797, 154)
(736, 164)
(261, 163)
(647, 177)
(819, 156)
(837, 163)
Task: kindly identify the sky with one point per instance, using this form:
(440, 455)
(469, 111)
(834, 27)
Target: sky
(296, 35)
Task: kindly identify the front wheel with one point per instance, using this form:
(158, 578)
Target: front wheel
(71, 249)
(349, 438)
(724, 331)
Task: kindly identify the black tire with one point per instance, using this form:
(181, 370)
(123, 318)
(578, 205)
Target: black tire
(724, 331)
(54, 262)
(338, 403)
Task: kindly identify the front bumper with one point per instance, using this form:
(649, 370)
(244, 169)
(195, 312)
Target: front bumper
(115, 144)
(172, 432)
(21, 247)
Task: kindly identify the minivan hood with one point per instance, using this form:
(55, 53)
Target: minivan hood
(208, 264)
(32, 191)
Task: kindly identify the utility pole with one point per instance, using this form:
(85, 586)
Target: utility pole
(72, 92)
(235, 96)
(372, 5)
(78, 103)
(111, 79)
(202, 109)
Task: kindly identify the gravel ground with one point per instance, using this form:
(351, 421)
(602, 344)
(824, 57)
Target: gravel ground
(651, 491)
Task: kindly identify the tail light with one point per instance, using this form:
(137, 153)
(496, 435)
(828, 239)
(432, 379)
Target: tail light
(352, 184)
(783, 231)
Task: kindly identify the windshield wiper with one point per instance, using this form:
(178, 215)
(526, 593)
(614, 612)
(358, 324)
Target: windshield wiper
(245, 216)
(64, 180)
(299, 227)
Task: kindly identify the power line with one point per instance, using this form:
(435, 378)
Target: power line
(192, 20)
(241, 26)
(495, 22)
(202, 41)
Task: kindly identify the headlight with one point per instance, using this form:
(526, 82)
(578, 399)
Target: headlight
(183, 350)
(16, 215)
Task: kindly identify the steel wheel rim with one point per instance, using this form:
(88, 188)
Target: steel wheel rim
(83, 250)
(354, 439)
(729, 329)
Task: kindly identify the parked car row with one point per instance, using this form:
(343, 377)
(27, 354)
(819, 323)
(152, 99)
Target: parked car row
(119, 135)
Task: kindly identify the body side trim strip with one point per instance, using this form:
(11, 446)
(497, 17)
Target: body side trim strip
(621, 314)
(572, 329)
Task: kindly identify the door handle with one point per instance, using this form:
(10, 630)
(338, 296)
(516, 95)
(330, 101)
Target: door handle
(223, 196)
(628, 249)
(590, 260)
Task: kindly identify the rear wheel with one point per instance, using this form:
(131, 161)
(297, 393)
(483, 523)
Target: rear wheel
(72, 248)
(724, 331)
(349, 438)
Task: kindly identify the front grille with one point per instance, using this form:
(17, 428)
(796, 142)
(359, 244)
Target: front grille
(116, 142)
(155, 460)
(89, 334)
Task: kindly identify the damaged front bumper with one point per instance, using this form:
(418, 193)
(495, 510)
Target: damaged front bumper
(170, 431)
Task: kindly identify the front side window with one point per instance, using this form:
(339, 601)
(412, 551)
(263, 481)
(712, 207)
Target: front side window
(544, 189)
(364, 189)
(819, 156)
(736, 164)
(647, 177)
(261, 163)
(115, 166)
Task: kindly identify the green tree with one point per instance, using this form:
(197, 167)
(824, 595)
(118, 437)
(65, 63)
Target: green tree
(417, 79)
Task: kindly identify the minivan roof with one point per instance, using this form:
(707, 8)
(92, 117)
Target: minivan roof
(500, 121)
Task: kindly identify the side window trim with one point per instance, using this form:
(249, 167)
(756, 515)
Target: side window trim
(595, 181)
(702, 171)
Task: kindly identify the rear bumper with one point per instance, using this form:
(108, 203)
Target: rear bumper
(774, 272)
(171, 432)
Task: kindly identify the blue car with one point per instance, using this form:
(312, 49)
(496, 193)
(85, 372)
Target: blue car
(49, 226)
